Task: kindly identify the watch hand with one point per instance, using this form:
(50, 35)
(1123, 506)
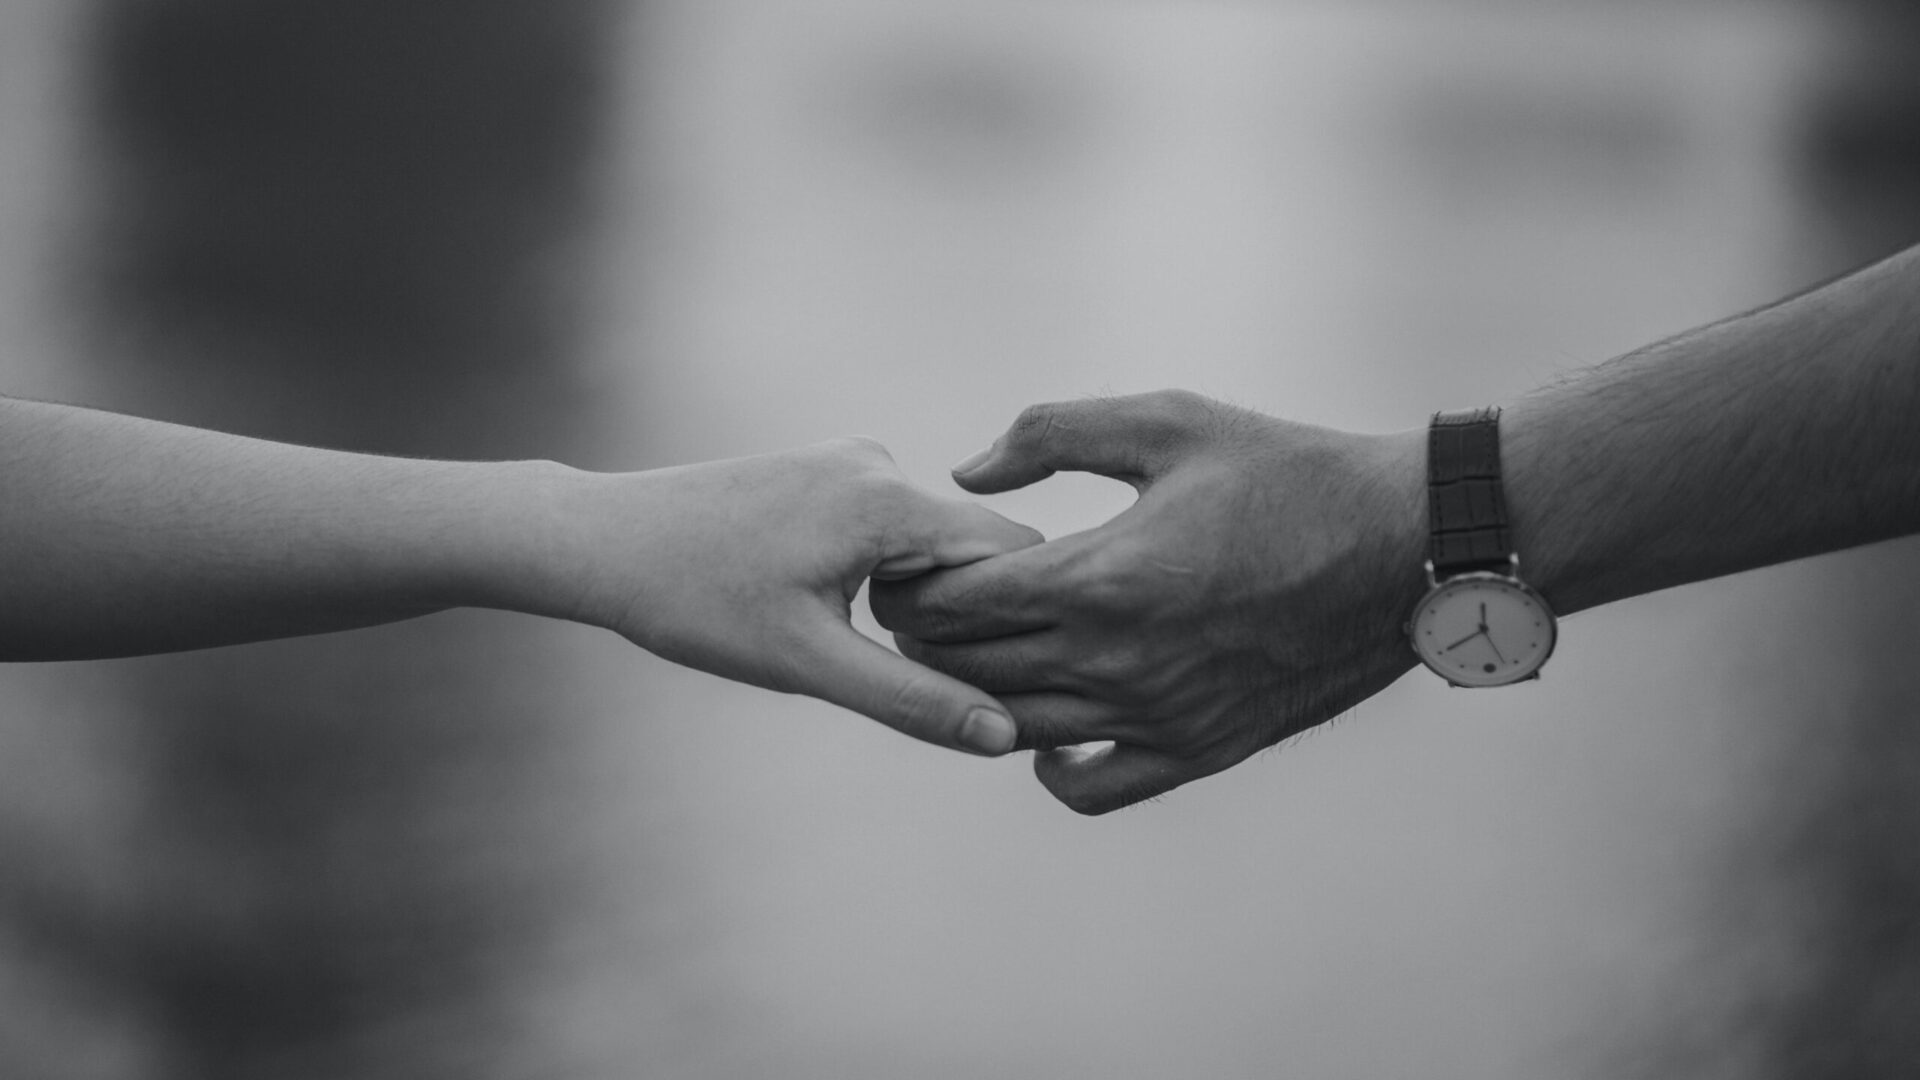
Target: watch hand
(1495, 648)
(1464, 640)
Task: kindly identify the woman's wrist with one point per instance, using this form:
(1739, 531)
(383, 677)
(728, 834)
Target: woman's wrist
(529, 542)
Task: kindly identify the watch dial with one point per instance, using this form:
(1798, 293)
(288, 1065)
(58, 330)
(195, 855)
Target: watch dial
(1483, 630)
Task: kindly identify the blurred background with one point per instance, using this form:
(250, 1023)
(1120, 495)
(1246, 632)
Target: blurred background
(628, 233)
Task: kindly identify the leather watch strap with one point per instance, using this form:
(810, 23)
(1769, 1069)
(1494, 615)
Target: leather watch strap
(1466, 506)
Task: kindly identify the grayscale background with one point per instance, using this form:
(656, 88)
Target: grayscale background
(629, 234)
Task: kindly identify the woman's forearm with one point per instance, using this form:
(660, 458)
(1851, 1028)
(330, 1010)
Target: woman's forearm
(122, 535)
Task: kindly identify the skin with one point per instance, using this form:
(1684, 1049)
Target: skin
(1259, 585)
(126, 536)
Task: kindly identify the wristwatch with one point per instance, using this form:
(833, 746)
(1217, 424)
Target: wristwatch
(1478, 624)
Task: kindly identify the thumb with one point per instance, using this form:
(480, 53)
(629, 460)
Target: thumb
(858, 673)
(1097, 780)
(1131, 438)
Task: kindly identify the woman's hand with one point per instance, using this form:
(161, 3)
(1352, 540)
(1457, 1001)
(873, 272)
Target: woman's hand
(126, 536)
(747, 569)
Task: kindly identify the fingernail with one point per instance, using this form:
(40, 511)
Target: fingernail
(974, 460)
(987, 732)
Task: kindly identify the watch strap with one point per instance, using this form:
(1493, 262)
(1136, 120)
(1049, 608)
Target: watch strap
(1466, 502)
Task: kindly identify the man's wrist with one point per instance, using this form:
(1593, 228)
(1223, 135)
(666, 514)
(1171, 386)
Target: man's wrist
(1385, 578)
(1405, 525)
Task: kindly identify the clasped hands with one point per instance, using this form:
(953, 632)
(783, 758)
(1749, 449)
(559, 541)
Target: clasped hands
(1254, 589)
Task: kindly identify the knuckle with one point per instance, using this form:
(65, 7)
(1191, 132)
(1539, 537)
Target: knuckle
(1034, 425)
(1114, 578)
(1113, 667)
(859, 472)
(969, 667)
(906, 611)
(859, 446)
(1176, 403)
(935, 658)
(1179, 417)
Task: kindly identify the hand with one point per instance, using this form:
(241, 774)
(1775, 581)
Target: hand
(747, 568)
(1256, 588)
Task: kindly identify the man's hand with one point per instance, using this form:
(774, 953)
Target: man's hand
(747, 568)
(1256, 588)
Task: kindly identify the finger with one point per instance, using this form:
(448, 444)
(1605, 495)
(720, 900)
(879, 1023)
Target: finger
(1097, 780)
(1050, 719)
(1126, 438)
(1014, 663)
(1009, 594)
(855, 672)
(939, 532)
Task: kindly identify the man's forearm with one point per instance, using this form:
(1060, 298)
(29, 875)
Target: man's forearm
(125, 536)
(1260, 583)
(1791, 431)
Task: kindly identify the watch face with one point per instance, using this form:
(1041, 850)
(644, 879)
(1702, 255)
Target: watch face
(1482, 630)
